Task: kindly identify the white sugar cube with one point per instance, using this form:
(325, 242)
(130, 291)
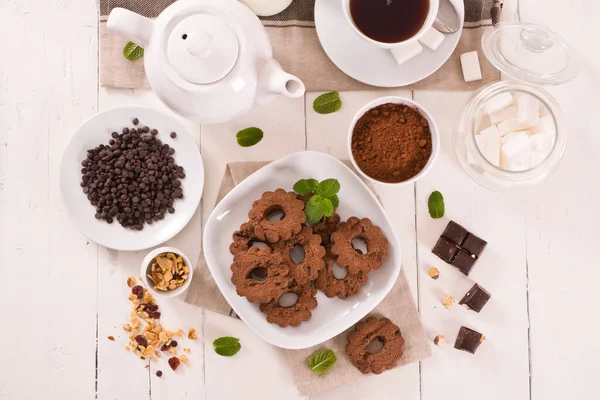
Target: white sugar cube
(509, 136)
(537, 158)
(406, 51)
(545, 125)
(515, 147)
(542, 142)
(498, 102)
(490, 131)
(492, 144)
(432, 39)
(527, 111)
(510, 125)
(481, 143)
(503, 115)
(470, 66)
(521, 162)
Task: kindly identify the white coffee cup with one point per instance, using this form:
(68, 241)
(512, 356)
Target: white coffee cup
(431, 15)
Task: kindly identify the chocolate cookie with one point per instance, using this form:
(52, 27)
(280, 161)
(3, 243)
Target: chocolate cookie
(271, 202)
(293, 315)
(347, 256)
(343, 288)
(363, 334)
(306, 270)
(244, 238)
(260, 274)
(326, 227)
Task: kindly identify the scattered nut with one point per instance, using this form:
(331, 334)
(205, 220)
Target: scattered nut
(482, 338)
(179, 332)
(172, 350)
(111, 338)
(131, 281)
(192, 334)
(439, 340)
(183, 358)
(127, 328)
(448, 301)
(187, 350)
(434, 273)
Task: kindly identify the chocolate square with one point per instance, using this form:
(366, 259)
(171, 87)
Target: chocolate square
(455, 233)
(445, 249)
(464, 262)
(474, 245)
(475, 299)
(468, 340)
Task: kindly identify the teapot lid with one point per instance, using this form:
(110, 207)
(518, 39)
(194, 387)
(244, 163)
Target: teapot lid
(202, 49)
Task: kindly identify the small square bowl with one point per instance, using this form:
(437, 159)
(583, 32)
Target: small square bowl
(150, 286)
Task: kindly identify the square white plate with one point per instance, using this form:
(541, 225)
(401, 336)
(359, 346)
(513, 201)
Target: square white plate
(332, 316)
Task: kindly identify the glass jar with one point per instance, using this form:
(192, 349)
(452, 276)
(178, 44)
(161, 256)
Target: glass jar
(529, 53)
(479, 168)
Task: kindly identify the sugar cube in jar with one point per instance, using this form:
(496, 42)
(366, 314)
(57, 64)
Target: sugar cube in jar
(519, 132)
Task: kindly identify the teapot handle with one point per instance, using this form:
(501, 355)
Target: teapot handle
(130, 25)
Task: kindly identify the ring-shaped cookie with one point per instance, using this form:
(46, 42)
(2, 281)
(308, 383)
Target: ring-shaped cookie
(270, 284)
(348, 257)
(326, 227)
(244, 238)
(308, 269)
(367, 331)
(271, 202)
(293, 315)
(342, 288)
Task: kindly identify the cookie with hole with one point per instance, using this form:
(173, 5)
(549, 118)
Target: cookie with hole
(260, 274)
(295, 314)
(305, 268)
(264, 211)
(245, 238)
(333, 282)
(347, 256)
(358, 341)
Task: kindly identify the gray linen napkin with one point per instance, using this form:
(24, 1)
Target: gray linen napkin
(399, 306)
(294, 29)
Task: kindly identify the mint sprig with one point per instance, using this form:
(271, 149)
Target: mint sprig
(327, 103)
(324, 198)
(132, 51)
(249, 136)
(321, 360)
(436, 205)
(227, 346)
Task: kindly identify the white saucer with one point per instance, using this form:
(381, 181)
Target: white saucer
(332, 316)
(372, 65)
(97, 130)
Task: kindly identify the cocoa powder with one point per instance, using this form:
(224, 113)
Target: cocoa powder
(391, 142)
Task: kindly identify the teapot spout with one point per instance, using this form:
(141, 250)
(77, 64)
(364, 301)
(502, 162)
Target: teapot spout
(132, 26)
(274, 80)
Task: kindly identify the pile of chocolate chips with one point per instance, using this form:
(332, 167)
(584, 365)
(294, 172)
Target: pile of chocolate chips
(134, 179)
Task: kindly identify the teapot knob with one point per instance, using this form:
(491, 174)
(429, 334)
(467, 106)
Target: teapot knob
(200, 44)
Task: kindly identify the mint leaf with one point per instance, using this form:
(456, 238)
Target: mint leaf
(132, 51)
(321, 360)
(305, 186)
(227, 346)
(249, 136)
(335, 201)
(436, 205)
(327, 103)
(314, 213)
(327, 207)
(328, 188)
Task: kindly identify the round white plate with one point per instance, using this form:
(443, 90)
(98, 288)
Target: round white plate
(369, 64)
(98, 130)
(332, 316)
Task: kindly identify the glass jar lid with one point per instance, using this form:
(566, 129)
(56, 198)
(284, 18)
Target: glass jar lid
(530, 52)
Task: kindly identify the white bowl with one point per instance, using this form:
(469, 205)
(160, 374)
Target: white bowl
(332, 316)
(435, 136)
(97, 130)
(150, 286)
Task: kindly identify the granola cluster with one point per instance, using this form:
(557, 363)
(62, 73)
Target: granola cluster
(167, 271)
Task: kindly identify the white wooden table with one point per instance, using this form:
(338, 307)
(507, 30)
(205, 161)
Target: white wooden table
(61, 295)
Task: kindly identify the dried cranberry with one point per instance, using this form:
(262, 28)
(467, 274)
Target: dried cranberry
(154, 314)
(151, 307)
(173, 343)
(141, 340)
(159, 373)
(174, 363)
(138, 291)
(164, 347)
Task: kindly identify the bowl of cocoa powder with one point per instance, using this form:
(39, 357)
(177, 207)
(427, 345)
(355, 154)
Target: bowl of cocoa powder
(393, 140)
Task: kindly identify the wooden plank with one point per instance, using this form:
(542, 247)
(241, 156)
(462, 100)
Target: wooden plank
(500, 368)
(121, 374)
(329, 134)
(562, 224)
(48, 289)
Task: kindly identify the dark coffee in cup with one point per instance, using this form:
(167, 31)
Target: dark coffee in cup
(389, 21)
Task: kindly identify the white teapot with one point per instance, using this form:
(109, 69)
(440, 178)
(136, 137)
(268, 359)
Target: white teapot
(207, 60)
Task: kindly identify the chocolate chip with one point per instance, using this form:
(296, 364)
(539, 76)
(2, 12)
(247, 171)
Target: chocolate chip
(173, 135)
(136, 121)
(159, 373)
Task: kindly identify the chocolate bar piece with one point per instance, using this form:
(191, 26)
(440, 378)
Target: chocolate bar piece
(455, 233)
(468, 340)
(445, 249)
(475, 299)
(459, 247)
